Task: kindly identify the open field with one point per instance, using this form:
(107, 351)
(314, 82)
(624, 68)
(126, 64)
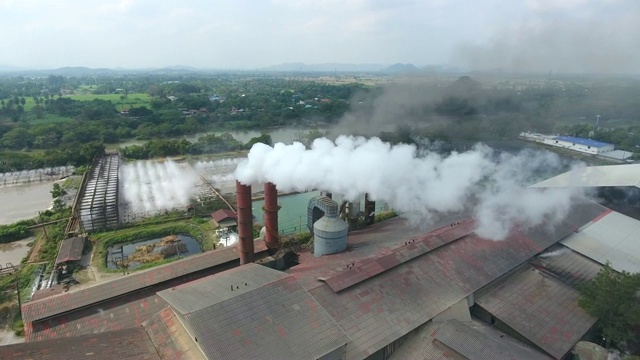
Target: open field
(136, 99)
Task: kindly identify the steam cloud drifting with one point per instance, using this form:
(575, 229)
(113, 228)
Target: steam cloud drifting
(153, 186)
(421, 186)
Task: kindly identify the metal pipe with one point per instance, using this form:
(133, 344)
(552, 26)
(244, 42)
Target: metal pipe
(245, 223)
(271, 217)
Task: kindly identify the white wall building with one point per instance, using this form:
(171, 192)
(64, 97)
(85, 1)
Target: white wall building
(587, 146)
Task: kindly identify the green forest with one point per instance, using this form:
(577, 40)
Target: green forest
(65, 120)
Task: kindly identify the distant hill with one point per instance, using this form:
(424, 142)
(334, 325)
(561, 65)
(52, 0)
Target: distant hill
(326, 67)
(79, 71)
(400, 69)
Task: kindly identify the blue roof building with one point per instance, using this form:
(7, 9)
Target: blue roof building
(582, 141)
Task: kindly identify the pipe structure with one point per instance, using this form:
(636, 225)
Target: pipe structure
(270, 209)
(327, 194)
(245, 223)
(369, 210)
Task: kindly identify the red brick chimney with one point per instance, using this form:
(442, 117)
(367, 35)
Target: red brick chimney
(245, 223)
(271, 217)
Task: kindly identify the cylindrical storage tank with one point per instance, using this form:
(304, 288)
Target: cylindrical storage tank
(329, 236)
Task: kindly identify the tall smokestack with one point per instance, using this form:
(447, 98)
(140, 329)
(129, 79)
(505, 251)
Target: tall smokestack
(271, 217)
(245, 223)
(369, 210)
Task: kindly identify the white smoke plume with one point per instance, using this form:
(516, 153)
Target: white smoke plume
(154, 186)
(418, 185)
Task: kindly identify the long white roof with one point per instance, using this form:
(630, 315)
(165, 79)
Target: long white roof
(596, 176)
(612, 237)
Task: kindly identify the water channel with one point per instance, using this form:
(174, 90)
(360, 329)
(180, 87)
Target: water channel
(23, 201)
(292, 216)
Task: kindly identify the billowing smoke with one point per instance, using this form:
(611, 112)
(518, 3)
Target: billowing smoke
(149, 187)
(562, 36)
(420, 186)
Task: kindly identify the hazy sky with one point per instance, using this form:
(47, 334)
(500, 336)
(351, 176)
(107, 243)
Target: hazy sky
(541, 35)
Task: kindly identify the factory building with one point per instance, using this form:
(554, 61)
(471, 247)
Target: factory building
(582, 145)
(389, 291)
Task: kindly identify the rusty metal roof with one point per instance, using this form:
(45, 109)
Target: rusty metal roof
(170, 338)
(223, 214)
(277, 320)
(129, 344)
(480, 342)
(455, 340)
(211, 290)
(385, 307)
(415, 247)
(540, 308)
(57, 304)
(566, 265)
(124, 312)
(70, 250)
(420, 345)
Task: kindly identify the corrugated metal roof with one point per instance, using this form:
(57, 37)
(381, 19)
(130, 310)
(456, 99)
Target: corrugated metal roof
(70, 250)
(211, 290)
(453, 339)
(170, 338)
(53, 305)
(224, 214)
(413, 248)
(386, 307)
(278, 320)
(540, 308)
(596, 176)
(567, 265)
(123, 312)
(583, 141)
(480, 342)
(130, 344)
(420, 345)
(612, 238)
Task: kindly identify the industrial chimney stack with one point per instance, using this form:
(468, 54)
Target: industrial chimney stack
(245, 223)
(271, 217)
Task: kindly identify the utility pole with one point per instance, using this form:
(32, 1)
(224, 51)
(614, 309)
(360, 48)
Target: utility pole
(46, 236)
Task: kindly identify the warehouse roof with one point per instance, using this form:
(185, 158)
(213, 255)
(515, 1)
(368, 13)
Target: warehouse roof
(70, 250)
(211, 290)
(170, 338)
(477, 341)
(566, 265)
(596, 176)
(272, 318)
(129, 344)
(612, 238)
(60, 303)
(582, 141)
(389, 305)
(540, 308)
(452, 339)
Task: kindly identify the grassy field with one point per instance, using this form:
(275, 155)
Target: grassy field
(136, 99)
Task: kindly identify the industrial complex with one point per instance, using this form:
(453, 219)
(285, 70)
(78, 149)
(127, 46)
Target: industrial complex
(388, 291)
(581, 145)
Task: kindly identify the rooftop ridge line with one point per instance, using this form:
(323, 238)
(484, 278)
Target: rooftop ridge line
(413, 248)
